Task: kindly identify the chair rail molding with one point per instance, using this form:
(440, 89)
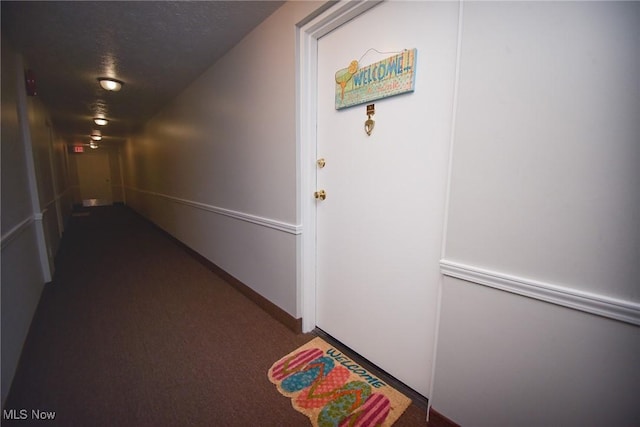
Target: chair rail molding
(601, 305)
(15, 231)
(254, 219)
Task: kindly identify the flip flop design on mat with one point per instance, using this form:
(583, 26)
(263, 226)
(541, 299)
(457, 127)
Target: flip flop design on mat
(332, 395)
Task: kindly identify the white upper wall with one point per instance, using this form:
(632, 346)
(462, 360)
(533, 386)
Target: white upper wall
(16, 203)
(216, 168)
(544, 187)
(229, 139)
(545, 173)
(41, 134)
(22, 277)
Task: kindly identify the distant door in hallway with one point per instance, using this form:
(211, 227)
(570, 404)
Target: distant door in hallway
(379, 230)
(94, 176)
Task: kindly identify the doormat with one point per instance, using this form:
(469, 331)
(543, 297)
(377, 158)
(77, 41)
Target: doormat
(333, 390)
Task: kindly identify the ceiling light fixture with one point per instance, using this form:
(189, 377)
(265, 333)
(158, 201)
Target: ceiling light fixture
(96, 135)
(93, 145)
(100, 121)
(108, 83)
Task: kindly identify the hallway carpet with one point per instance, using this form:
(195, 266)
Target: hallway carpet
(133, 331)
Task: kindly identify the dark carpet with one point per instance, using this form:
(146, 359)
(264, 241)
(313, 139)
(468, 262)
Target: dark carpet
(133, 331)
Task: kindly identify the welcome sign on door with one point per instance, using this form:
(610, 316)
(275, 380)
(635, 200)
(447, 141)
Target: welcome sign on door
(389, 77)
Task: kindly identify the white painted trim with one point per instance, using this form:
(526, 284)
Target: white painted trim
(121, 166)
(12, 234)
(307, 61)
(49, 203)
(601, 305)
(447, 202)
(23, 117)
(254, 219)
(54, 180)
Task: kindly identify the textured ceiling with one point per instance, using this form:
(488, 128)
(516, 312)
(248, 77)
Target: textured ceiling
(156, 47)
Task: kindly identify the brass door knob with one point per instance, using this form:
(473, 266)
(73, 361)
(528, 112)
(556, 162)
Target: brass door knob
(320, 195)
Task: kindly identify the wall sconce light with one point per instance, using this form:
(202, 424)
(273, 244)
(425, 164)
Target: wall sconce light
(96, 135)
(100, 121)
(108, 83)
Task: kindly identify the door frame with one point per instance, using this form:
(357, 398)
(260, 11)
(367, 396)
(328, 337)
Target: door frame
(307, 34)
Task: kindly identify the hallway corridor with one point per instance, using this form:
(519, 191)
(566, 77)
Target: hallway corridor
(134, 331)
(481, 244)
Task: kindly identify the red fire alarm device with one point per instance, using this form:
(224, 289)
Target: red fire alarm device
(30, 81)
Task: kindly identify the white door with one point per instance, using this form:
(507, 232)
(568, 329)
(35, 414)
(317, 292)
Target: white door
(94, 176)
(379, 230)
